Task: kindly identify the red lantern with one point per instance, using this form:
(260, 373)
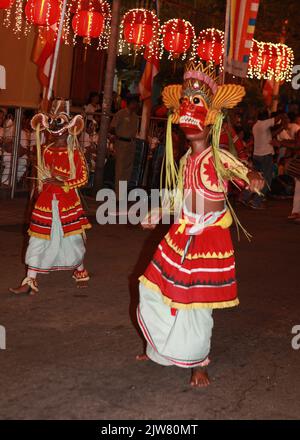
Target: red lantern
(139, 27)
(42, 12)
(6, 4)
(178, 36)
(211, 45)
(88, 24)
(269, 60)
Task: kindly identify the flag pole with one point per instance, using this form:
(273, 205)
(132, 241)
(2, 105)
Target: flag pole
(56, 50)
(107, 95)
(147, 103)
(226, 38)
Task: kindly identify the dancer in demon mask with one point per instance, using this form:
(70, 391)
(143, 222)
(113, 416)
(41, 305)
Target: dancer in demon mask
(58, 223)
(193, 269)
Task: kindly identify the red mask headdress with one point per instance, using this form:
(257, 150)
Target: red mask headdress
(201, 99)
(57, 122)
(197, 104)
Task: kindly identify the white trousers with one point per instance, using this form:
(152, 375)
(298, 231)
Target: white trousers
(182, 339)
(58, 253)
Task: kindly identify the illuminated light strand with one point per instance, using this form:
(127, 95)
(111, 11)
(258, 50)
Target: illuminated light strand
(18, 18)
(94, 6)
(172, 29)
(144, 18)
(7, 12)
(208, 39)
(270, 60)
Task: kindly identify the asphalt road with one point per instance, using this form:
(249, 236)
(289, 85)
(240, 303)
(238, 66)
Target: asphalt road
(71, 354)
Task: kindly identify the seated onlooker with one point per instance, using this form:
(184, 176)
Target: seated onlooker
(92, 105)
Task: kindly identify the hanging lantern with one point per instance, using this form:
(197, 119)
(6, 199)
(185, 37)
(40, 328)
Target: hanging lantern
(138, 29)
(42, 12)
(269, 60)
(178, 37)
(91, 20)
(6, 4)
(210, 46)
(88, 24)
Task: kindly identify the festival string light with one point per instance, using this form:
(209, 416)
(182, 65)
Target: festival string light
(210, 46)
(270, 60)
(22, 14)
(138, 31)
(91, 19)
(178, 38)
(6, 6)
(43, 12)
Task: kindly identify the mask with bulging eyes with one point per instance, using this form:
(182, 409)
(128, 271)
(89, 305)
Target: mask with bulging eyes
(58, 125)
(193, 110)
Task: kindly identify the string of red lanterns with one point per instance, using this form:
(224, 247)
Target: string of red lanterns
(140, 31)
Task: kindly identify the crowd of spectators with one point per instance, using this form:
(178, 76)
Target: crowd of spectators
(268, 142)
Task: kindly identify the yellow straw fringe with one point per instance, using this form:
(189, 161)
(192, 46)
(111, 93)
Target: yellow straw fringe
(179, 306)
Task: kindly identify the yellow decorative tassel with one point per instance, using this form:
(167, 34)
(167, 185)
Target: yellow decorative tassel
(39, 158)
(227, 174)
(171, 172)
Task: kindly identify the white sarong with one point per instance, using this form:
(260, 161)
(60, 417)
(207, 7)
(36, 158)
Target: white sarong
(182, 339)
(58, 253)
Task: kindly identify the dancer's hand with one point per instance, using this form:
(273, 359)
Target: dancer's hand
(256, 181)
(148, 226)
(151, 220)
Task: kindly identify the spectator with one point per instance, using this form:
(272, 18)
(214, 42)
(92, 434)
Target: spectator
(262, 157)
(92, 105)
(9, 125)
(7, 148)
(123, 130)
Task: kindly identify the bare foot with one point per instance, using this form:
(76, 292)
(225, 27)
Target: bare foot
(142, 357)
(199, 378)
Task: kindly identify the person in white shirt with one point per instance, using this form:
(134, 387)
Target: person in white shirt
(93, 105)
(8, 154)
(262, 157)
